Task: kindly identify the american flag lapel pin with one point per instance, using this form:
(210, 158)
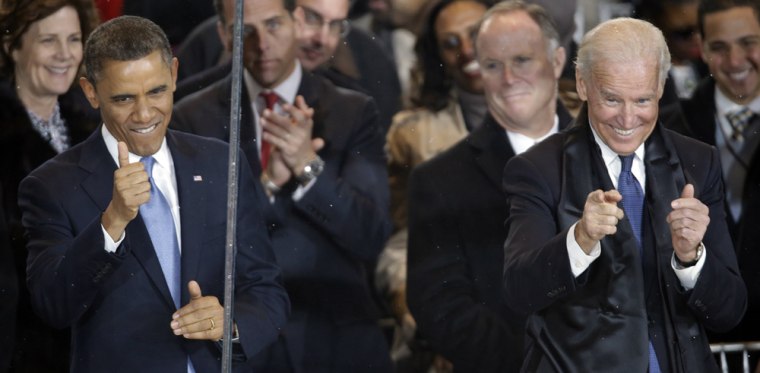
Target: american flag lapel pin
(197, 178)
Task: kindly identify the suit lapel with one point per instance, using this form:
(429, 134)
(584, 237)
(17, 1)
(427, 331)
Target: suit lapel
(583, 172)
(190, 192)
(665, 180)
(310, 90)
(491, 150)
(98, 162)
(99, 186)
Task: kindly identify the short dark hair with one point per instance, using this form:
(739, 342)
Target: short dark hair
(126, 38)
(714, 6)
(289, 5)
(16, 17)
(436, 84)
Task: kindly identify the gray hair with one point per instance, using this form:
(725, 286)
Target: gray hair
(623, 40)
(126, 38)
(536, 12)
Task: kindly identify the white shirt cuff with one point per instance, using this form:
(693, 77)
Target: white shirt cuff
(110, 245)
(688, 275)
(579, 261)
(302, 189)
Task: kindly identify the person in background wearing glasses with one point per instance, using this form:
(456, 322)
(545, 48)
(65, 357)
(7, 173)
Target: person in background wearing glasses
(318, 151)
(350, 58)
(320, 25)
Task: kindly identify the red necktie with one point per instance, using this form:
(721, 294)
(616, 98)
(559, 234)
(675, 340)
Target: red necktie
(270, 98)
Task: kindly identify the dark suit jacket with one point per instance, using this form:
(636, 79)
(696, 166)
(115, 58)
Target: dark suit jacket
(360, 63)
(326, 241)
(118, 305)
(599, 321)
(8, 295)
(22, 149)
(700, 117)
(456, 234)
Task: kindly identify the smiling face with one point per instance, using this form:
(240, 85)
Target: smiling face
(519, 77)
(48, 59)
(731, 49)
(622, 102)
(135, 99)
(453, 29)
(317, 44)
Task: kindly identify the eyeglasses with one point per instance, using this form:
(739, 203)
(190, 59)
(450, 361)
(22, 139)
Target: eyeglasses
(316, 22)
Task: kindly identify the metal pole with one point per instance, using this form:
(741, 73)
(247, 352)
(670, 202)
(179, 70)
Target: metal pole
(232, 186)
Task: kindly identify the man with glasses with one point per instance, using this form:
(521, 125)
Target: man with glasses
(350, 58)
(318, 152)
(321, 25)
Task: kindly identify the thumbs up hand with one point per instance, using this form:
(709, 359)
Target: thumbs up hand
(131, 188)
(688, 223)
(202, 318)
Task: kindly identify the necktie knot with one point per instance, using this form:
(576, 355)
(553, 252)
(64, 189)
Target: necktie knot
(270, 99)
(739, 121)
(626, 162)
(148, 162)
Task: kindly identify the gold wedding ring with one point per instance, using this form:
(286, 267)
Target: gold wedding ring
(213, 324)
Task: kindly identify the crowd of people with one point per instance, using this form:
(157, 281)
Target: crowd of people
(424, 186)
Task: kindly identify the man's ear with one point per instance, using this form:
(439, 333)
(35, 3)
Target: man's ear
(89, 92)
(174, 68)
(580, 85)
(560, 57)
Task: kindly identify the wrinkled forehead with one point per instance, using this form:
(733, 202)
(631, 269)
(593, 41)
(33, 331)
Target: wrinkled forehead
(329, 9)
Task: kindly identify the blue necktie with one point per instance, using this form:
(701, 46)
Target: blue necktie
(157, 215)
(633, 205)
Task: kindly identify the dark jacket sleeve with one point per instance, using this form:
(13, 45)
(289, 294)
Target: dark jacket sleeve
(350, 199)
(441, 289)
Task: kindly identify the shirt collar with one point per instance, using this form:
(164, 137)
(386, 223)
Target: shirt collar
(162, 156)
(724, 105)
(287, 90)
(612, 159)
(521, 143)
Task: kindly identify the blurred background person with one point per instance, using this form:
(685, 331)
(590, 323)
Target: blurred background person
(449, 104)
(457, 207)
(396, 24)
(678, 21)
(327, 45)
(41, 115)
(725, 112)
(349, 57)
(176, 17)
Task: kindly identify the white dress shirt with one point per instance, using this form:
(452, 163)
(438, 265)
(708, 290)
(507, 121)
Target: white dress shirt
(521, 143)
(163, 176)
(580, 261)
(731, 170)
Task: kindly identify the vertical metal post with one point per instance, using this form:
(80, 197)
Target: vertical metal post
(232, 186)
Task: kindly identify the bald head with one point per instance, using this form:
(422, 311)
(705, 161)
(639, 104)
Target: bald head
(622, 40)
